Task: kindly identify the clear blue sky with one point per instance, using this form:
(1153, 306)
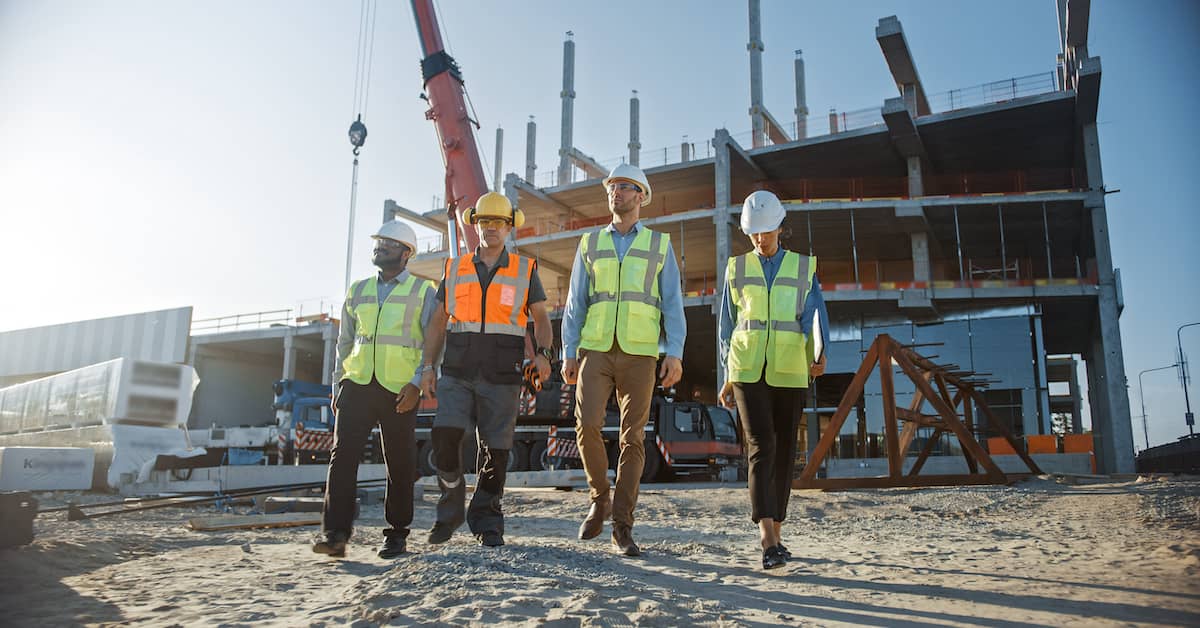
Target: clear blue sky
(156, 155)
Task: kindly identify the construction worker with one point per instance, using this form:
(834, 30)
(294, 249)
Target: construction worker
(384, 321)
(484, 303)
(623, 283)
(772, 330)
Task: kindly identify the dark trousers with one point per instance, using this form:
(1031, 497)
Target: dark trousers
(769, 417)
(358, 408)
(484, 513)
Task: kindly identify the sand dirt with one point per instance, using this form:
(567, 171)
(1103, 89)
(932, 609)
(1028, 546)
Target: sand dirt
(1041, 552)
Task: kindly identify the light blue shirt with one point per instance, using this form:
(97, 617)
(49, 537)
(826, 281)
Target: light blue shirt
(814, 305)
(674, 323)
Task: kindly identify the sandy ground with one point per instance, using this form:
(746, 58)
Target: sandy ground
(1040, 552)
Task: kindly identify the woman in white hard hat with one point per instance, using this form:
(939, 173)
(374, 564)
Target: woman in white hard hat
(772, 331)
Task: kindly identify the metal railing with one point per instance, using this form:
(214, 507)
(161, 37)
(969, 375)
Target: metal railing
(818, 125)
(251, 320)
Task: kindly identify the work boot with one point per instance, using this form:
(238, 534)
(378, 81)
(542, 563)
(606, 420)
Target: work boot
(622, 539)
(594, 524)
(490, 539)
(393, 547)
(441, 532)
(332, 544)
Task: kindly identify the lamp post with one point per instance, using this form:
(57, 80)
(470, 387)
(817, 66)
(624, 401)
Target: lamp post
(1191, 421)
(1142, 396)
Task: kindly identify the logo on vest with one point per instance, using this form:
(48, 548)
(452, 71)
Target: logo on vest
(507, 295)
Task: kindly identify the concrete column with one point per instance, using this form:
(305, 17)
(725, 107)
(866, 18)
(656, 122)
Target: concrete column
(1029, 411)
(916, 184)
(920, 256)
(755, 46)
(685, 151)
(531, 150)
(908, 92)
(568, 110)
(1043, 382)
(721, 198)
(1108, 353)
(833, 121)
(801, 100)
(635, 144)
(1076, 401)
(329, 337)
(289, 356)
(499, 159)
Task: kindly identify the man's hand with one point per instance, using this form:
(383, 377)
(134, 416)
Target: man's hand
(543, 367)
(570, 370)
(408, 398)
(671, 371)
(818, 369)
(429, 384)
(726, 397)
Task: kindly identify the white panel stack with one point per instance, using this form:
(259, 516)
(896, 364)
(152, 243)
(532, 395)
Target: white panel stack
(46, 468)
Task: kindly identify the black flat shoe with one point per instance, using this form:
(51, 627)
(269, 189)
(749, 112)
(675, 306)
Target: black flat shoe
(491, 539)
(393, 547)
(784, 550)
(773, 558)
(441, 533)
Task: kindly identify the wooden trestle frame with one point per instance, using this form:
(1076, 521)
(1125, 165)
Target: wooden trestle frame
(955, 390)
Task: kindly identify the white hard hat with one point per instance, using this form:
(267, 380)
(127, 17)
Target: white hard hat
(633, 174)
(398, 231)
(761, 212)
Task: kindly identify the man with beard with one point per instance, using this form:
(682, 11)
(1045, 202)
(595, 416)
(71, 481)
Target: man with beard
(623, 283)
(384, 322)
(485, 302)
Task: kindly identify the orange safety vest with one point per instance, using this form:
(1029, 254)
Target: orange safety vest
(505, 306)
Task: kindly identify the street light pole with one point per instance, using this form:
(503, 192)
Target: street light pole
(1191, 421)
(1142, 396)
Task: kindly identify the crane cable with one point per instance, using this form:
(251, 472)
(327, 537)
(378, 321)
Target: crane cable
(365, 55)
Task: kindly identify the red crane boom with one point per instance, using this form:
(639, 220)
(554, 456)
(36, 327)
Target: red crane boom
(465, 179)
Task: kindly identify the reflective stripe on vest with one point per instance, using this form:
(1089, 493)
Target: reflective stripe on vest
(388, 338)
(767, 330)
(624, 298)
(505, 299)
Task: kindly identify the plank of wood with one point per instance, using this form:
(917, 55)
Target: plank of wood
(246, 522)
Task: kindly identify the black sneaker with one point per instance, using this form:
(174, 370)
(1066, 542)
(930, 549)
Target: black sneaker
(491, 539)
(332, 544)
(786, 554)
(393, 547)
(773, 558)
(441, 533)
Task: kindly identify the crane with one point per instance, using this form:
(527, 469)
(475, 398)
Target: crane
(443, 84)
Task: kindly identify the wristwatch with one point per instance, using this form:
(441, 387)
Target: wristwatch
(546, 352)
(424, 368)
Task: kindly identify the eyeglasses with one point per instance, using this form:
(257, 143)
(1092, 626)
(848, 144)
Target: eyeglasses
(388, 243)
(492, 223)
(624, 187)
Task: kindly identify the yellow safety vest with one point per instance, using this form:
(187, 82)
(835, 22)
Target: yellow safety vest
(767, 330)
(624, 299)
(388, 339)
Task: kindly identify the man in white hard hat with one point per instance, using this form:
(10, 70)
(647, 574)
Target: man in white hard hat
(624, 282)
(485, 303)
(383, 326)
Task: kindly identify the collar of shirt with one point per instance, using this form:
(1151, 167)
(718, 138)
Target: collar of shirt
(633, 231)
(774, 259)
(395, 280)
(502, 262)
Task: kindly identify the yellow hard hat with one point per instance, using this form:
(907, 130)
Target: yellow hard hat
(494, 204)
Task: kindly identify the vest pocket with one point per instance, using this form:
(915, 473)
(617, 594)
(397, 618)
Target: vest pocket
(790, 355)
(745, 353)
(643, 324)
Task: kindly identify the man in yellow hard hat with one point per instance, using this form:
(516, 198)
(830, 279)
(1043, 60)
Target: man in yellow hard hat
(384, 322)
(624, 282)
(485, 302)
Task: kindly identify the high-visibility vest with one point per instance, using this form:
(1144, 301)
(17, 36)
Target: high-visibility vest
(767, 330)
(388, 338)
(624, 298)
(504, 303)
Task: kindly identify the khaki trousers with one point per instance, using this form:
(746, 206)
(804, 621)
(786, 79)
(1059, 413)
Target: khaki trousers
(633, 377)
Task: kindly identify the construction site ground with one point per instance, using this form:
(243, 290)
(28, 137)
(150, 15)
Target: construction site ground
(1045, 551)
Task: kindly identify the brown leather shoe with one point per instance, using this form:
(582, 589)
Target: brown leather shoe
(594, 524)
(622, 539)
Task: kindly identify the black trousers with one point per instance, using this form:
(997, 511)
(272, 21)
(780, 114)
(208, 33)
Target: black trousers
(358, 408)
(770, 417)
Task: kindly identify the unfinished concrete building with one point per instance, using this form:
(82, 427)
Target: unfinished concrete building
(973, 218)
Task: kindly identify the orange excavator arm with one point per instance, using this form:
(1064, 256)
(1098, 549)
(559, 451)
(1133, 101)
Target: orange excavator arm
(465, 179)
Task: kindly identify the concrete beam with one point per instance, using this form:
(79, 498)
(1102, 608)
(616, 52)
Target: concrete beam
(1078, 13)
(1087, 90)
(392, 210)
(774, 130)
(903, 130)
(533, 191)
(735, 149)
(586, 163)
(890, 36)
